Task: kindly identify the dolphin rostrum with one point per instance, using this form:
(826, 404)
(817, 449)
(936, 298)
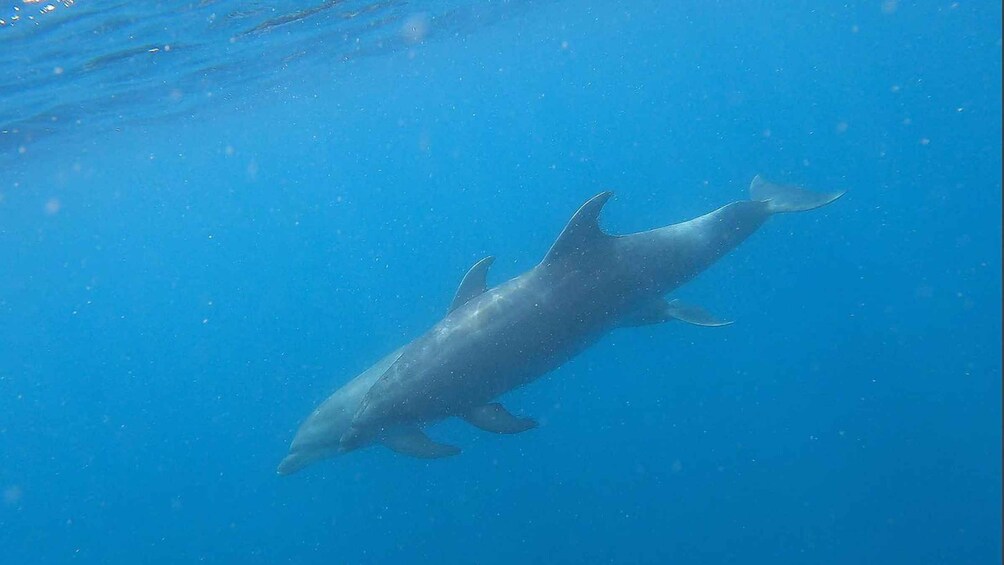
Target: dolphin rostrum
(495, 340)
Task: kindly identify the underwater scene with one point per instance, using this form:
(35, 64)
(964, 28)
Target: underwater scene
(500, 281)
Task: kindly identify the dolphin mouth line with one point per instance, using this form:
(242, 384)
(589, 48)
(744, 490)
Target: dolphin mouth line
(291, 464)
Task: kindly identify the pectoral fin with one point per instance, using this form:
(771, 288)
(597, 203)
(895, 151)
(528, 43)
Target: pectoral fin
(414, 443)
(496, 419)
(661, 310)
(693, 314)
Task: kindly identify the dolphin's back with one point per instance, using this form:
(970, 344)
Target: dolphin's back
(496, 342)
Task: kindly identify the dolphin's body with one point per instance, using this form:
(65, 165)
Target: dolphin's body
(493, 341)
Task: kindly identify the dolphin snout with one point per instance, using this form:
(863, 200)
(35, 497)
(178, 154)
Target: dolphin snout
(292, 463)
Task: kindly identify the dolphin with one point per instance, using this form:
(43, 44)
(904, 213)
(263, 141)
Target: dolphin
(492, 341)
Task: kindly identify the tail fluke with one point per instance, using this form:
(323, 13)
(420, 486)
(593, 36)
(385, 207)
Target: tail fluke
(782, 198)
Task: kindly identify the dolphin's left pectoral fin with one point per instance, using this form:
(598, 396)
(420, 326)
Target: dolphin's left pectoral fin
(496, 419)
(661, 310)
(693, 315)
(414, 443)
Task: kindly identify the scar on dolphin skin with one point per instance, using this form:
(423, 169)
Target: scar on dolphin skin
(494, 340)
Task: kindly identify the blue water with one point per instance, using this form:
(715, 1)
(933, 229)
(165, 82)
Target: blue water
(214, 214)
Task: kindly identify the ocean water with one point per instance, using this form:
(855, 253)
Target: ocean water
(213, 214)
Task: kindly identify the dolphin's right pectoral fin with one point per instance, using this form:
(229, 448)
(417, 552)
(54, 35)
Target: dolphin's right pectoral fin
(661, 310)
(496, 419)
(414, 443)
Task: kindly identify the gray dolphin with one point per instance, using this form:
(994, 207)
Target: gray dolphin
(495, 340)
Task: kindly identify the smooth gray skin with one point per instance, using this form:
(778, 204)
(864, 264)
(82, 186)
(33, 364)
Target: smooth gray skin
(319, 435)
(588, 284)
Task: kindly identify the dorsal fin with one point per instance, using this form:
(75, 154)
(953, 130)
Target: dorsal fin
(474, 283)
(582, 232)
